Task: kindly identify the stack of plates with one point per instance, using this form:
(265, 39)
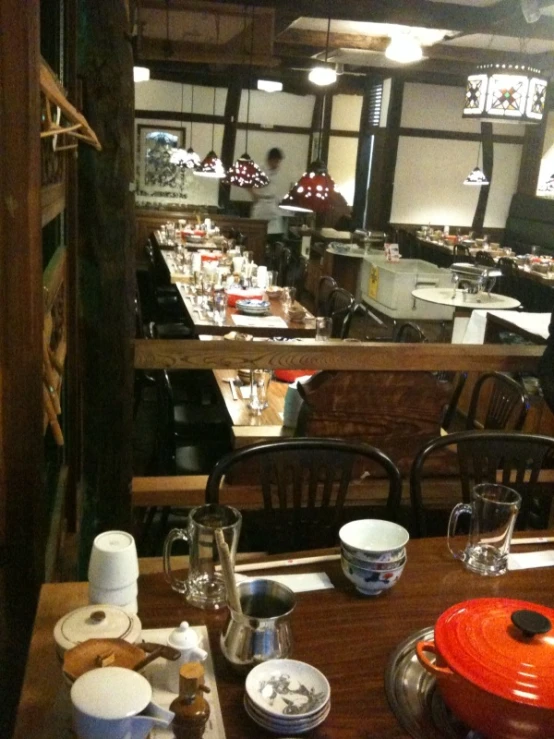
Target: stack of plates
(253, 307)
(287, 697)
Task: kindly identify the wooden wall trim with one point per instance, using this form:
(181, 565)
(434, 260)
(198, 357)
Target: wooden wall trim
(171, 354)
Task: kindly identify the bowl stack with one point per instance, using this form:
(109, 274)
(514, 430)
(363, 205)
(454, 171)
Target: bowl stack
(373, 554)
(287, 697)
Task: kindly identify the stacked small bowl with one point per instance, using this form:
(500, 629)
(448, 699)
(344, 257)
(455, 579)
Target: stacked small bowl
(287, 697)
(373, 554)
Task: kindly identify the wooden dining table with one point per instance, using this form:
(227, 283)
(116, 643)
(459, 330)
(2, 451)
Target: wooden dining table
(347, 636)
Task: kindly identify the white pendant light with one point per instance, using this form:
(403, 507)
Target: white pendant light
(141, 74)
(404, 49)
(477, 176)
(324, 73)
(270, 86)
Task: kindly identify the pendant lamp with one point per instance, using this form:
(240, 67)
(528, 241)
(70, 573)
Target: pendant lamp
(245, 172)
(477, 176)
(211, 165)
(324, 73)
(312, 193)
(186, 158)
(506, 92)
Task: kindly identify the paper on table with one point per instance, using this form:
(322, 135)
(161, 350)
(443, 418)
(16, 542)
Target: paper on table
(302, 583)
(263, 321)
(527, 560)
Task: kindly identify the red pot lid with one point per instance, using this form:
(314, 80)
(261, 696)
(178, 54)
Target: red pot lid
(504, 646)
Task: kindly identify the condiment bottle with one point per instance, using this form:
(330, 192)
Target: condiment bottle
(191, 709)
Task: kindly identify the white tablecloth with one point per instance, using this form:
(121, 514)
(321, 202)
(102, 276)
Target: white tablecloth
(535, 323)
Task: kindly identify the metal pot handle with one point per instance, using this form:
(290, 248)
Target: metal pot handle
(431, 667)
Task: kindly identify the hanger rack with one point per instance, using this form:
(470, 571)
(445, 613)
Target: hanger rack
(55, 98)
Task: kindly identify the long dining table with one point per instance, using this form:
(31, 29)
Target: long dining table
(347, 636)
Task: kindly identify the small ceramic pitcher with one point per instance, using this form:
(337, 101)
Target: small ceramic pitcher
(187, 641)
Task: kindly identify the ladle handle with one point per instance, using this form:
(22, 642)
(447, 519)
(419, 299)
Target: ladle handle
(228, 572)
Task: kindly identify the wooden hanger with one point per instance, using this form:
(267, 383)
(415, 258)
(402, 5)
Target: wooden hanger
(77, 126)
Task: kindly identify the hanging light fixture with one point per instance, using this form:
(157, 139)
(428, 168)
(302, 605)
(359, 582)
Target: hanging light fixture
(506, 92)
(312, 192)
(245, 172)
(186, 158)
(477, 176)
(324, 73)
(211, 165)
(404, 49)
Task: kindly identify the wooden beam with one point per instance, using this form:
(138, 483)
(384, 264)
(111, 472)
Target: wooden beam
(184, 51)
(333, 355)
(484, 190)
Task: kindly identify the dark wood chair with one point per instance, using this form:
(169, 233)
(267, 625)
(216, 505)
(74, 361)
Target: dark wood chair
(395, 411)
(512, 459)
(304, 485)
(485, 259)
(498, 402)
(409, 333)
(341, 310)
(325, 287)
(462, 250)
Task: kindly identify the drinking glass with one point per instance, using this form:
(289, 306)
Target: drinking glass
(220, 307)
(204, 587)
(493, 512)
(323, 328)
(259, 385)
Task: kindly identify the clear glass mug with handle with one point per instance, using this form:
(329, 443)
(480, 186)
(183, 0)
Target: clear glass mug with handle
(493, 511)
(204, 586)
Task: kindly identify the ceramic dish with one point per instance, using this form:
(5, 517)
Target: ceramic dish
(253, 307)
(371, 582)
(374, 540)
(294, 726)
(287, 687)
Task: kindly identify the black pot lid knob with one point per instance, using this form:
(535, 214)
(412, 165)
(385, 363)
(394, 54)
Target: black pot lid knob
(531, 623)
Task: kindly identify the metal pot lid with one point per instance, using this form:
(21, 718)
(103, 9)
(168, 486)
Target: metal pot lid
(96, 622)
(504, 646)
(111, 693)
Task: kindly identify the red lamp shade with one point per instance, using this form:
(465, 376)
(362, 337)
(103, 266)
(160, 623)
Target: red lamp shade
(246, 173)
(211, 166)
(312, 191)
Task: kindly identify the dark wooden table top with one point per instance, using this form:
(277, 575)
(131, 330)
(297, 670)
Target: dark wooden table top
(347, 636)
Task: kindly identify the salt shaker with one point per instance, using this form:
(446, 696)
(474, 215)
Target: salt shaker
(187, 641)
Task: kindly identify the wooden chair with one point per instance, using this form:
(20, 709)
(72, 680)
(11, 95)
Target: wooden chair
(485, 259)
(498, 402)
(395, 411)
(461, 250)
(409, 333)
(341, 309)
(512, 459)
(324, 289)
(304, 485)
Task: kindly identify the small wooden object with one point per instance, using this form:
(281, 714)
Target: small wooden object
(191, 709)
(94, 653)
(228, 572)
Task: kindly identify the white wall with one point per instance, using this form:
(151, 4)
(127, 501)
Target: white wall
(342, 164)
(346, 112)
(430, 171)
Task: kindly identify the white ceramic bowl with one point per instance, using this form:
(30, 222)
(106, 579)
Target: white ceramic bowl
(375, 565)
(287, 687)
(374, 540)
(371, 582)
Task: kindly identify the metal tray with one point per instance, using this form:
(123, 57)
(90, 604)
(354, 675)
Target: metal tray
(414, 698)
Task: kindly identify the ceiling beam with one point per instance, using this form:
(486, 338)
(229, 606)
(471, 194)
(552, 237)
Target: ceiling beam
(505, 17)
(151, 49)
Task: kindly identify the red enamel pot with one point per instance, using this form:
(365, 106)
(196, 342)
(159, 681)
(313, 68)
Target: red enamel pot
(494, 666)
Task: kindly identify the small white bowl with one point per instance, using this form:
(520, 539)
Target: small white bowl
(374, 565)
(374, 540)
(371, 582)
(287, 688)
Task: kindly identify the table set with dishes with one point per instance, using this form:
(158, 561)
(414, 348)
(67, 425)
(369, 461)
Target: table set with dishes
(382, 636)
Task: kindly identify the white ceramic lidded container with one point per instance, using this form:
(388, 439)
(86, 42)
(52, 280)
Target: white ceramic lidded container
(95, 622)
(115, 703)
(187, 641)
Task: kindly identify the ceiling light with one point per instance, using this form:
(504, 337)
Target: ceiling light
(312, 191)
(246, 173)
(404, 49)
(141, 74)
(270, 86)
(323, 74)
(505, 92)
(185, 158)
(476, 177)
(211, 166)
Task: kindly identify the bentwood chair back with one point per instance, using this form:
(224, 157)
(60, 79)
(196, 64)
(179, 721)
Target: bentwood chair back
(524, 462)
(498, 402)
(341, 310)
(484, 259)
(324, 289)
(409, 333)
(304, 485)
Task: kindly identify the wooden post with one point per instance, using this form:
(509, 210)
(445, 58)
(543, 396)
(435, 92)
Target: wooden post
(107, 284)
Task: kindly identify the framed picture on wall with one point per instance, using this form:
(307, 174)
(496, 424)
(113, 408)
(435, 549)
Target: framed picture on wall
(158, 180)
